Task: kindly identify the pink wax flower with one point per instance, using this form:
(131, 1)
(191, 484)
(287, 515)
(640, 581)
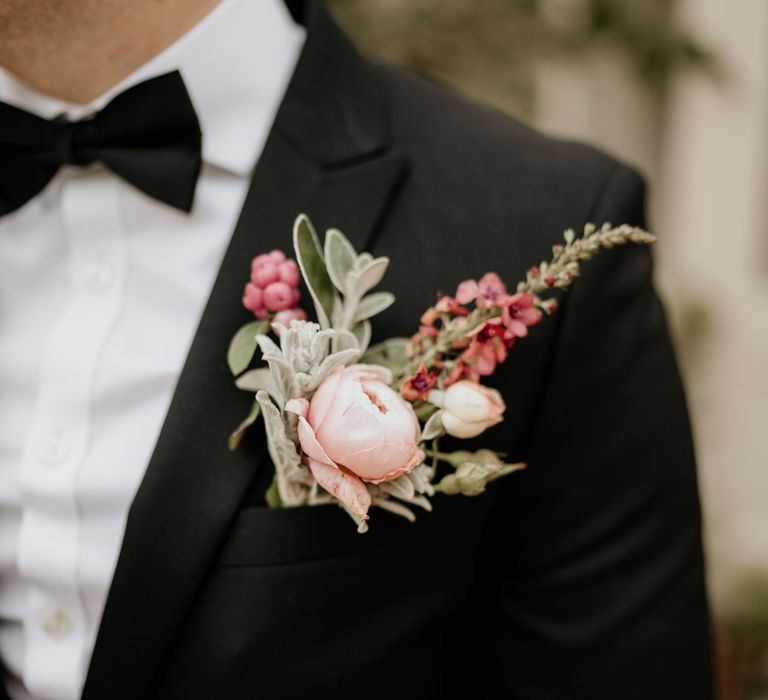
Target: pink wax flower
(356, 429)
(274, 287)
(488, 291)
(488, 346)
(519, 313)
(418, 385)
(461, 370)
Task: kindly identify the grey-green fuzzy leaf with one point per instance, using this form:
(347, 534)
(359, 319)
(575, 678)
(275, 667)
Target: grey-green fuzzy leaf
(310, 258)
(373, 304)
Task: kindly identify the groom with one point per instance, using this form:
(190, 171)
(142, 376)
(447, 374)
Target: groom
(148, 151)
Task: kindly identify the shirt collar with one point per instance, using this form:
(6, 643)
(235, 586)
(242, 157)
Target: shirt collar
(236, 64)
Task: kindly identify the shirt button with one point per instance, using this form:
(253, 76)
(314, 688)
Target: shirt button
(54, 449)
(98, 276)
(56, 624)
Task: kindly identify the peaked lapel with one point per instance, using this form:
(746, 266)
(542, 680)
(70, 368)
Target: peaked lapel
(328, 156)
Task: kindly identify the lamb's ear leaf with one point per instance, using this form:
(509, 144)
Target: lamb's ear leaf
(368, 277)
(373, 304)
(242, 348)
(310, 258)
(362, 332)
(340, 257)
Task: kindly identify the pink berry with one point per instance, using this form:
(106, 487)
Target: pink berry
(296, 297)
(287, 315)
(261, 313)
(278, 296)
(276, 256)
(264, 274)
(289, 273)
(252, 297)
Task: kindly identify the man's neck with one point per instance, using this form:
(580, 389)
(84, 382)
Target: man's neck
(79, 49)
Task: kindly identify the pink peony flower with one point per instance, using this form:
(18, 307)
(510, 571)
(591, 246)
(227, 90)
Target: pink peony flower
(357, 429)
(470, 408)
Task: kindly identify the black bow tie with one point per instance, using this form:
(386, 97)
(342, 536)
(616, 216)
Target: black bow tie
(149, 135)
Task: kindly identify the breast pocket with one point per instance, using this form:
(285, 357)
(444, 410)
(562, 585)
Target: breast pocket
(273, 536)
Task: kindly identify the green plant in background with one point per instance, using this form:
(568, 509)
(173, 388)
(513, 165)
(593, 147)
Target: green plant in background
(747, 627)
(488, 48)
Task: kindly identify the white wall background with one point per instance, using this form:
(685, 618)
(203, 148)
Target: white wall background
(703, 145)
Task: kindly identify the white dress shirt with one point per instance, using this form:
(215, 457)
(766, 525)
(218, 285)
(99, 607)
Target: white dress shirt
(101, 290)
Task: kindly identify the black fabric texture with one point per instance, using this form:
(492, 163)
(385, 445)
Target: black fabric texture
(579, 578)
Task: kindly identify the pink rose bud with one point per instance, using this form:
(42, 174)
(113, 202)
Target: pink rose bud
(470, 408)
(359, 425)
(285, 316)
(252, 297)
(289, 273)
(278, 296)
(264, 272)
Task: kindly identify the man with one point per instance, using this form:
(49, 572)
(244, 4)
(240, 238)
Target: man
(138, 558)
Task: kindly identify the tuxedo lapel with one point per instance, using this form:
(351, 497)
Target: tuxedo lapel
(326, 156)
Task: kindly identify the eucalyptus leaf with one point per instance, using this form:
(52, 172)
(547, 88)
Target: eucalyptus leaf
(362, 332)
(389, 353)
(394, 507)
(310, 258)
(272, 496)
(237, 435)
(368, 277)
(243, 346)
(373, 304)
(401, 488)
(339, 257)
(434, 427)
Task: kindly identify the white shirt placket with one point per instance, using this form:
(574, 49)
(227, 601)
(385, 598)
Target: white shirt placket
(57, 444)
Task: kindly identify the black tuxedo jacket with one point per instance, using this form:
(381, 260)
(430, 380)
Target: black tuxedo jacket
(581, 577)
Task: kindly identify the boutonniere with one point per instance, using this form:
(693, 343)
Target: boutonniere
(360, 426)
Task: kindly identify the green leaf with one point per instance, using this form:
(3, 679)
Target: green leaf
(373, 304)
(339, 257)
(243, 346)
(389, 353)
(434, 427)
(272, 495)
(310, 258)
(237, 435)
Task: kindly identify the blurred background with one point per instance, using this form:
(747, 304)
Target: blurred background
(679, 89)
